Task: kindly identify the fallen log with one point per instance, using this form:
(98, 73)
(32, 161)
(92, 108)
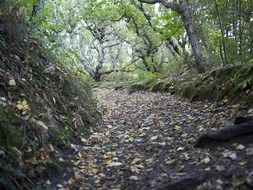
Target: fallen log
(243, 126)
(187, 181)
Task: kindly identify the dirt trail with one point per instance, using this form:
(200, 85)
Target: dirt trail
(146, 142)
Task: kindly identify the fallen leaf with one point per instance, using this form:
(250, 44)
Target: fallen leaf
(137, 161)
(48, 182)
(16, 151)
(205, 160)
(170, 162)
(229, 154)
(131, 139)
(61, 159)
(177, 127)
(115, 164)
(136, 168)
(240, 147)
(95, 169)
(180, 148)
(41, 125)
(133, 177)
(154, 138)
(83, 140)
(12, 82)
(59, 185)
(220, 168)
(22, 105)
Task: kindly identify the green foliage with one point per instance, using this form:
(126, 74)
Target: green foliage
(52, 92)
(169, 24)
(61, 28)
(234, 19)
(144, 75)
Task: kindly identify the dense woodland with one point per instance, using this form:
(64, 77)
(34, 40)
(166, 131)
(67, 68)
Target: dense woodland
(126, 94)
(162, 38)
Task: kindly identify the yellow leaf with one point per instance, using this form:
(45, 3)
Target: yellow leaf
(108, 162)
(42, 157)
(131, 139)
(94, 169)
(143, 133)
(154, 137)
(170, 162)
(16, 151)
(177, 127)
(137, 161)
(22, 105)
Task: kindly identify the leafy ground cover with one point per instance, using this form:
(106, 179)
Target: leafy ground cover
(146, 141)
(43, 108)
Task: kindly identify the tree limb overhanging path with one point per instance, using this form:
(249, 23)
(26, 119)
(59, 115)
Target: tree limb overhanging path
(146, 141)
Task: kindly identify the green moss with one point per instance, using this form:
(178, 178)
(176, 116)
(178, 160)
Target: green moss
(158, 86)
(234, 83)
(187, 90)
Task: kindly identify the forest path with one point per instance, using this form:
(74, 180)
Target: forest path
(146, 141)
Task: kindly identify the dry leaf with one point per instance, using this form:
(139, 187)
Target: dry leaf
(95, 169)
(205, 160)
(16, 151)
(115, 164)
(240, 147)
(133, 177)
(177, 127)
(180, 148)
(137, 161)
(170, 162)
(154, 138)
(12, 82)
(22, 105)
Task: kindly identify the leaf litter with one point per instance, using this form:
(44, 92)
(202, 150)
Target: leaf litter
(146, 141)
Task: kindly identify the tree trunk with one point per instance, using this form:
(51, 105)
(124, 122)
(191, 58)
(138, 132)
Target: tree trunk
(97, 76)
(240, 30)
(101, 60)
(224, 56)
(184, 10)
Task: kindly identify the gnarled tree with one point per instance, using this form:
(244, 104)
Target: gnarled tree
(183, 9)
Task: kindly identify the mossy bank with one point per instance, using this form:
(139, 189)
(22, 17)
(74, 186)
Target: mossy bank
(43, 107)
(230, 84)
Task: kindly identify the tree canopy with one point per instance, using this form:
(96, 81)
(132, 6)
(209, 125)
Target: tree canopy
(149, 35)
